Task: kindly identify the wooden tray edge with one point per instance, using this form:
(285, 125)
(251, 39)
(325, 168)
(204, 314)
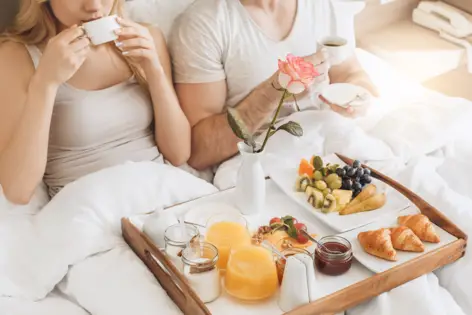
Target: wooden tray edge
(175, 285)
(385, 281)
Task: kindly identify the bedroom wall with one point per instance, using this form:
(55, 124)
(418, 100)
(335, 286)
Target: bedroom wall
(465, 5)
(380, 13)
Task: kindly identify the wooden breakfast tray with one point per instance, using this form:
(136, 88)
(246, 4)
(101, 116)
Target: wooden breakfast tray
(187, 300)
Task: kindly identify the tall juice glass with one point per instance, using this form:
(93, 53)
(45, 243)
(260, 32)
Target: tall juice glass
(251, 273)
(226, 232)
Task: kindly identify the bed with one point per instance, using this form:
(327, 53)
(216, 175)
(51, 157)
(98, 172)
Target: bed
(63, 256)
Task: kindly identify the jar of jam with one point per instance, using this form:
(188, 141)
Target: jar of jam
(280, 262)
(330, 263)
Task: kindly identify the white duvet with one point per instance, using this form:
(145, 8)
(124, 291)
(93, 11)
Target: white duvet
(70, 257)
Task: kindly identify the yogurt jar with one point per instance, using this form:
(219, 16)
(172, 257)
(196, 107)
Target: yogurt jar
(200, 269)
(177, 238)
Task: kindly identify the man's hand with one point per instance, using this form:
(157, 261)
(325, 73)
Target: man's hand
(350, 71)
(349, 111)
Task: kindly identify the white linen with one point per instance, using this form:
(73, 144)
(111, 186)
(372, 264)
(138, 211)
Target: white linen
(84, 220)
(54, 304)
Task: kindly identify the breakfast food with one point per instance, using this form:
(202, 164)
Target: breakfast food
(331, 188)
(366, 193)
(378, 243)
(283, 233)
(373, 203)
(421, 226)
(404, 239)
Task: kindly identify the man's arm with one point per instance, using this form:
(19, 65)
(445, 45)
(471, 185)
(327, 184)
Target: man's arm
(351, 71)
(213, 140)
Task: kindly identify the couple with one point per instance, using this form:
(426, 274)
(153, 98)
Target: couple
(69, 109)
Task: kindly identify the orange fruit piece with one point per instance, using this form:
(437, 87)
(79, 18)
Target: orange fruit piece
(305, 168)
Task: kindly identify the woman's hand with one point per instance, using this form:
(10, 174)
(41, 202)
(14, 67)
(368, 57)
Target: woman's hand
(64, 55)
(136, 42)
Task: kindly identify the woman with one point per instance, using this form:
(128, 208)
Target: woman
(68, 108)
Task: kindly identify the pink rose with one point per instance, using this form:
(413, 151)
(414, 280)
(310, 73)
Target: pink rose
(296, 74)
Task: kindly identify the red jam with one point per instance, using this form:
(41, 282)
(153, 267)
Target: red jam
(333, 264)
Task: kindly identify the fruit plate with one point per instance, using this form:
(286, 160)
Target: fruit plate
(379, 265)
(285, 178)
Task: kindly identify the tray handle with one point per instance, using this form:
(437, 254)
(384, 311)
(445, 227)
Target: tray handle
(171, 280)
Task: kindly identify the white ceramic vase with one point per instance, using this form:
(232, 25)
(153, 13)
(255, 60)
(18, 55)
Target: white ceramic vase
(251, 183)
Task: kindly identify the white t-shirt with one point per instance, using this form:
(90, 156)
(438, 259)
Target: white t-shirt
(216, 40)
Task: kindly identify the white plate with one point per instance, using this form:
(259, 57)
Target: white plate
(344, 94)
(379, 265)
(286, 178)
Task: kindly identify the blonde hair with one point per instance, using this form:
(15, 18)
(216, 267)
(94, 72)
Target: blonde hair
(35, 24)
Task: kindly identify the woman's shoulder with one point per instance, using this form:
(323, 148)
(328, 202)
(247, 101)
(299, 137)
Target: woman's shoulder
(15, 59)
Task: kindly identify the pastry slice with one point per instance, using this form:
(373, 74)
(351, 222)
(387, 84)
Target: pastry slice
(404, 239)
(378, 243)
(421, 226)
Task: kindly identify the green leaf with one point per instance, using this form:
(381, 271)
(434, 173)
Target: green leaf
(239, 127)
(292, 128)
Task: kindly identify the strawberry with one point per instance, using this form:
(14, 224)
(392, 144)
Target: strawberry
(275, 221)
(302, 239)
(299, 226)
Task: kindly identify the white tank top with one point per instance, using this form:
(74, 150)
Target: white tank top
(92, 130)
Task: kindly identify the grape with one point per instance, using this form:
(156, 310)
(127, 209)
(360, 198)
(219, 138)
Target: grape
(359, 172)
(357, 186)
(356, 164)
(347, 184)
(351, 172)
(366, 179)
(355, 193)
(346, 168)
(331, 178)
(367, 171)
(318, 175)
(341, 172)
(357, 179)
(335, 184)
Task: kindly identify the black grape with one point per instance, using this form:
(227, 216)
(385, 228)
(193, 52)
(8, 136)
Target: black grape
(356, 164)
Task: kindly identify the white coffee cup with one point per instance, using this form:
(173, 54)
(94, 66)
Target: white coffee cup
(102, 31)
(337, 48)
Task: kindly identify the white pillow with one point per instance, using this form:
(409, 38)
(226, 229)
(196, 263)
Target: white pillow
(160, 13)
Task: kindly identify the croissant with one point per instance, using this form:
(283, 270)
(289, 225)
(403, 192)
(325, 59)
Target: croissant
(378, 243)
(404, 239)
(421, 226)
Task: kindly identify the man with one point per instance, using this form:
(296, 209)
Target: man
(225, 53)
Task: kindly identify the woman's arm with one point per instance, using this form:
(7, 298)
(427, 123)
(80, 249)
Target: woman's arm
(25, 114)
(26, 104)
(172, 128)
(148, 48)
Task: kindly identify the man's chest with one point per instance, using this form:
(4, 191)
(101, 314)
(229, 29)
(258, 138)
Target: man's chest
(252, 59)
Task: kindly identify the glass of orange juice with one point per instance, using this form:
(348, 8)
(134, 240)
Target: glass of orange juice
(251, 273)
(225, 232)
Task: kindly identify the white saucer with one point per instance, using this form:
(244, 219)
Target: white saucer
(344, 94)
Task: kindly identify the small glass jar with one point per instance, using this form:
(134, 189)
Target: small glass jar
(280, 262)
(176, 240)
(200, 268)
(333, 264)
